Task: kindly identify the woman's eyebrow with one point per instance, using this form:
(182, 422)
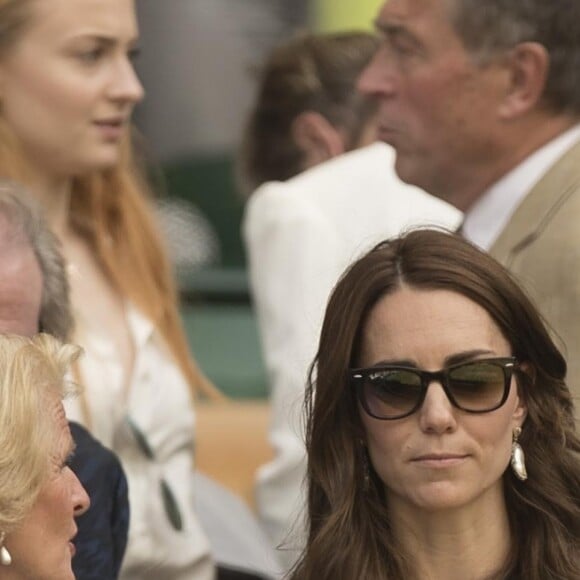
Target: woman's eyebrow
(467, 355)
(395, 363)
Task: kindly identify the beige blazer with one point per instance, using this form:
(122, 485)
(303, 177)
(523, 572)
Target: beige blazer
(541, 247)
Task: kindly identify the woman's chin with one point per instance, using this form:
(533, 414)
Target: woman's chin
(96, 165)
(440, 496)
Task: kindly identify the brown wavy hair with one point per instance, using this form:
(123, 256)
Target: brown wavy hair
(349, 528)
(112, 211)
(309, 73)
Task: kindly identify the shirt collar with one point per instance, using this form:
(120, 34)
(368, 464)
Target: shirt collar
(491, 213)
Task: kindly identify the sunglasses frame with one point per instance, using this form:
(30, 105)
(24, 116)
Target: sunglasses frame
(358, 376)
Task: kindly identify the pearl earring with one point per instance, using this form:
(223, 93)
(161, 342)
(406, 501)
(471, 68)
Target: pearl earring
(518, 460)
(5, 557)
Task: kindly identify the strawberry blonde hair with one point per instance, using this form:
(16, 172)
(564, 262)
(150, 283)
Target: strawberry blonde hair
(111, 210)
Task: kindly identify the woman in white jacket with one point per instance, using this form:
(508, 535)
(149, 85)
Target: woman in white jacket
(320, 193)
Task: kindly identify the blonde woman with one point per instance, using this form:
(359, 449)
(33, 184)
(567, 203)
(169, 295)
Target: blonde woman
(40, 496)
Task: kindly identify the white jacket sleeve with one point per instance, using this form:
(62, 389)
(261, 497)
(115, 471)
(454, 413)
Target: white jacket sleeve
(293, 260)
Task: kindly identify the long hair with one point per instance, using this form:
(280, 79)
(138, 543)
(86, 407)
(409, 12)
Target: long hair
(350, 534)
(309, 73)
(111, 210)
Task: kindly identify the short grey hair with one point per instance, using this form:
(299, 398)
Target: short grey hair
(25, 219)
(489, 27)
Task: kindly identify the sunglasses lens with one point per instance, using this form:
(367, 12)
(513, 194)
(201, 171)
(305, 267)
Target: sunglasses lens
(477, 386)
(389, 394)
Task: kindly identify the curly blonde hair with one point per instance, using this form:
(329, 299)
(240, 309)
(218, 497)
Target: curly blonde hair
(32, 370)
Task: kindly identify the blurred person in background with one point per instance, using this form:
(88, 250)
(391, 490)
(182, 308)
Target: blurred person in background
(324, 194)
(441, 436)
(67, 88)
(307, 109)
(40, 496)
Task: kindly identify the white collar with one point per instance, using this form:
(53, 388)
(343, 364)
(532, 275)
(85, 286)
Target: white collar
(488, 217)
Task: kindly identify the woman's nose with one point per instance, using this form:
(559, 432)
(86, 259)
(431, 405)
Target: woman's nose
(437, 414)
(126, 86)
(79, 496)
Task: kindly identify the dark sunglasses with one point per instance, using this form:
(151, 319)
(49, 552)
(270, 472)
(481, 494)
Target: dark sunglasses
(393, 392)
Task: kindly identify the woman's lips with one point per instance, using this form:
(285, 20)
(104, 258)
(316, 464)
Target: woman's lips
(71, 544)
(111, 129)
(440, 460)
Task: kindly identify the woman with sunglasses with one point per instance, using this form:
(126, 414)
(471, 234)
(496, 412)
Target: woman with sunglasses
(441, 440)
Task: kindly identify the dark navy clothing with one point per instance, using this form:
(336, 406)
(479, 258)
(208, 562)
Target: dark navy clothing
(102, 536)
(224, 573)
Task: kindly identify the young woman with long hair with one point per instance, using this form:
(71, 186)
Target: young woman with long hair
(67, 90)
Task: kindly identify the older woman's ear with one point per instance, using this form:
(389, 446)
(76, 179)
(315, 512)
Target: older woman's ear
(317, 138)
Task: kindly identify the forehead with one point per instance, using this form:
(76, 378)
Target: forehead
(427, 326)
(429, 18)
(64, 441)
(61, 18)
(403, 10)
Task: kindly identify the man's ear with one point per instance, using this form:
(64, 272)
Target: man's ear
(528, 65)
(316, 138)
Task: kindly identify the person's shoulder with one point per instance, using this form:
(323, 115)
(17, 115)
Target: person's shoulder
(308, 195)
(360, 168)
(103, 529)
(279, 205)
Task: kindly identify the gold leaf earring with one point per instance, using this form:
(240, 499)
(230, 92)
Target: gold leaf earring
(518, 459)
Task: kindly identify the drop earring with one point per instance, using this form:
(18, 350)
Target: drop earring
(5, 557)
(518, 460)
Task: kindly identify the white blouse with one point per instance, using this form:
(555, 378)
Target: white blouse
(151, 428)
